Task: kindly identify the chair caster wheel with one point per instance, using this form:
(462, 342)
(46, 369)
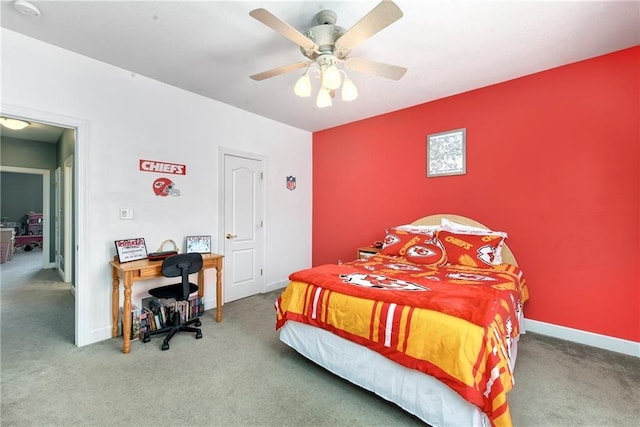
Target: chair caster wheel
(198, 335)
(198, 323)
(146, 338)
(165, 346)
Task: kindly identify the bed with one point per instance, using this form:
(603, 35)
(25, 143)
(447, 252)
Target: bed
(433, 331)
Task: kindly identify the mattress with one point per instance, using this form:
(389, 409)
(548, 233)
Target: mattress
(417, 393)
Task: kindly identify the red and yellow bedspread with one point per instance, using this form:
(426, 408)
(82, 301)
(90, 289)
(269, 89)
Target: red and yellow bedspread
(451, 322)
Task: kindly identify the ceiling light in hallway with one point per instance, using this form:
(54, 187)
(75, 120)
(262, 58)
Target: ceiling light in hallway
(14, 124)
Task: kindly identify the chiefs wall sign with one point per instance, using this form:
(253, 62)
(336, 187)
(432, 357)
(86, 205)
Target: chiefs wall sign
(163, 186)
(162, 167)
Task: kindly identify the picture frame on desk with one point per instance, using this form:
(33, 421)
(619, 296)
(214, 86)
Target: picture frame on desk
(198, 244)
(131, 249)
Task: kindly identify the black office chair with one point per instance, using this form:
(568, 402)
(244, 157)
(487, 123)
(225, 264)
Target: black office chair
(173, 266)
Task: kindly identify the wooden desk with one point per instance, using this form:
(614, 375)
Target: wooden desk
(145, 269)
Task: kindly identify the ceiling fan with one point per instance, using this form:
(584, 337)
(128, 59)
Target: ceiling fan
(325, 45)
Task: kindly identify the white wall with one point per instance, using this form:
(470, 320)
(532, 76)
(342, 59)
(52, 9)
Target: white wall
(123, 117)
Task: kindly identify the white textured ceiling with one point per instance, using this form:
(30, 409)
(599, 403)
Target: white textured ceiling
(449, 47)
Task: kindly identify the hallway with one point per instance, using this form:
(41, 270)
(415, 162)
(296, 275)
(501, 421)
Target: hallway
(28, 293)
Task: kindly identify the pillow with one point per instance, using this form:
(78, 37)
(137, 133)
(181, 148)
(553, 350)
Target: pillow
(418, 229)
(454, 226)
(473, 250)
(470, 229)
(400, 238)
(427, 254)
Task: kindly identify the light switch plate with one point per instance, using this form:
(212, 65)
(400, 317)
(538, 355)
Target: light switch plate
(126, 213)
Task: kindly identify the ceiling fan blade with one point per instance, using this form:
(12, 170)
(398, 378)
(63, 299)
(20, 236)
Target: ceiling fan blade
(277, 24)
(380, 17)
(378, 68)
(280, 70)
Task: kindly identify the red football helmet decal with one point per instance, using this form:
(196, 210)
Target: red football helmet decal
(164, 187)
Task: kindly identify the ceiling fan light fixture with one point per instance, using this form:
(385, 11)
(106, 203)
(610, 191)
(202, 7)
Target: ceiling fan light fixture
(324, 98)
(349, 90)
(331, 77)
(303, 86)
(13, 124)
(326, 45)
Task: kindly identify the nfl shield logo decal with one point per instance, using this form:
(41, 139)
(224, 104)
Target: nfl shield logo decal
(291, 183)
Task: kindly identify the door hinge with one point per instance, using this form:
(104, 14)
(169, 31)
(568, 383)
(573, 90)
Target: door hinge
(261, 176)
(261, 223)
(261, 272)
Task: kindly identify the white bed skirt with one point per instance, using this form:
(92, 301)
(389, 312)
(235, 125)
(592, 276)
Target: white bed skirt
(417, 393)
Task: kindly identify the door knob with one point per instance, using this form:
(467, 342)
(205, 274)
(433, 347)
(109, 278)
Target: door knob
(231, 236)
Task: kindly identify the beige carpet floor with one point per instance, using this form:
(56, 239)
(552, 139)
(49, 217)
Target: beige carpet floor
(240, 374)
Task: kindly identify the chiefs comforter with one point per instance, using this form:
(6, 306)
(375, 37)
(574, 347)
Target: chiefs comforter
(451, 322)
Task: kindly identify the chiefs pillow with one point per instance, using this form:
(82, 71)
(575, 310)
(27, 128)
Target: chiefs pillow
(427, 254)
(400, 238)
(473, 250)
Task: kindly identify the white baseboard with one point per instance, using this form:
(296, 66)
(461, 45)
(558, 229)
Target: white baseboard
(95, 335)
(618, 345)
(275, 286)
(210, 303)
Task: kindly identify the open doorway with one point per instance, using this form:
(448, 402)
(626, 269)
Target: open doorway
(41, 150)
(82, 302)
(26, 207)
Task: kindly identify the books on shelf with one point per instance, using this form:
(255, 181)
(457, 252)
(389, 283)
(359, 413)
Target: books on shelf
(156, 313)
(135, 322)
(134, 315)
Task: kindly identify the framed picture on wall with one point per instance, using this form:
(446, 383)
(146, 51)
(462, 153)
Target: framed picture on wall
(447, 153)
(199, 244)
(131, 249)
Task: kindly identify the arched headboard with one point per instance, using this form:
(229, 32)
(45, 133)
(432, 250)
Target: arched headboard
(507, 255)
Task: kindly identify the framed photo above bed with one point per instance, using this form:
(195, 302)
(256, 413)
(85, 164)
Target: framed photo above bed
(447, 153)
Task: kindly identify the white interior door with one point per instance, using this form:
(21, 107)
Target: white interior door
(243, 227)
(57, 219)
(67, 250)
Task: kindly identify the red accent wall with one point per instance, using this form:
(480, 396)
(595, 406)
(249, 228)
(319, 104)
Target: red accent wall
(552, 159)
